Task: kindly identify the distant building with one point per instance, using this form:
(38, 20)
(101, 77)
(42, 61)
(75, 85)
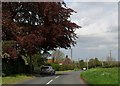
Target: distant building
(51, 61)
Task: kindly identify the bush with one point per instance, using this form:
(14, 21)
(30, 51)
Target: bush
(56, 66)
(110, 65)
(13, 66)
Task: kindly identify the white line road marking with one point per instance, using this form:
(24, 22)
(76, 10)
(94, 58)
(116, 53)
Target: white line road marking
(57, 77)
(52, 80)
(49, 82)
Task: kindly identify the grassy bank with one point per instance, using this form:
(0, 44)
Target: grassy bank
(101, 76)
(64, 71)
(15, 79)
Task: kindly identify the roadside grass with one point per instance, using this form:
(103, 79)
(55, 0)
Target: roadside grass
(101, 76)
(0, 80)
(14, 79)
(77, 69)
(64, 71)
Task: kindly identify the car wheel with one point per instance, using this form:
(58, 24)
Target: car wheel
(54, 73)
(51, 73)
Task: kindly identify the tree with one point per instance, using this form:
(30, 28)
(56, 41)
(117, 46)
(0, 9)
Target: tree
(39, 60)
(97, 62)
(110, 60)
(82, 64)
(91, 63)
(9, 47)
(94, 62)
(57, 55)
(38, 26)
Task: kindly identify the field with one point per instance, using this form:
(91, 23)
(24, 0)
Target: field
(101, 76)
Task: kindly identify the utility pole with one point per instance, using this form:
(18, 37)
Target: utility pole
(110, 55)
(78, 59)
(102, 62)
(87, 63)
(71, 53)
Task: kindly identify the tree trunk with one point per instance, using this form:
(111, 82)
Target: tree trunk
(30, 64)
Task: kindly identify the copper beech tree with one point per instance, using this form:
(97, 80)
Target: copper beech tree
(37, 26)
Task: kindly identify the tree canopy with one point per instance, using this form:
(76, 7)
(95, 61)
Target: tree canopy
(36, 26)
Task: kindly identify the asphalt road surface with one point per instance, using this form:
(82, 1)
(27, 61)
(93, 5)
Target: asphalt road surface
(61, 78)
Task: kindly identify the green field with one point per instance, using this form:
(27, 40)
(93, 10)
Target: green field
(15, 79)
(101, 76)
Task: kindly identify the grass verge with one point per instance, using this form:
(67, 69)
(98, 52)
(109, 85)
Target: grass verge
(101, 76)
(65, 71)
(15, 79)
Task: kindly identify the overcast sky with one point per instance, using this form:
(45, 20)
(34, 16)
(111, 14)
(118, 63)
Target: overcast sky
(99, 32)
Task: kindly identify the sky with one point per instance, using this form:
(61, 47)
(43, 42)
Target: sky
(99, 32)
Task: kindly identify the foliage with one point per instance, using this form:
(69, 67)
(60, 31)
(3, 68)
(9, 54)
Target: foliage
(9, 47)
(63, 67)
(56, 66)
(82, 64)
(96, 76)
(94, 63)
(38, 26)
(39, 60)
(106, 64)
(13, 66)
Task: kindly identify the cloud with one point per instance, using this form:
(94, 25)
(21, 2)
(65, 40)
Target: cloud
(99, 32)
(96, 48)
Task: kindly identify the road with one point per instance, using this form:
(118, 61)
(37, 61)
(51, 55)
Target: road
(60, 78)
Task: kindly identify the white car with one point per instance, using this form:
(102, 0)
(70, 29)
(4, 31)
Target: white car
(47, 70)
(84, 68)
